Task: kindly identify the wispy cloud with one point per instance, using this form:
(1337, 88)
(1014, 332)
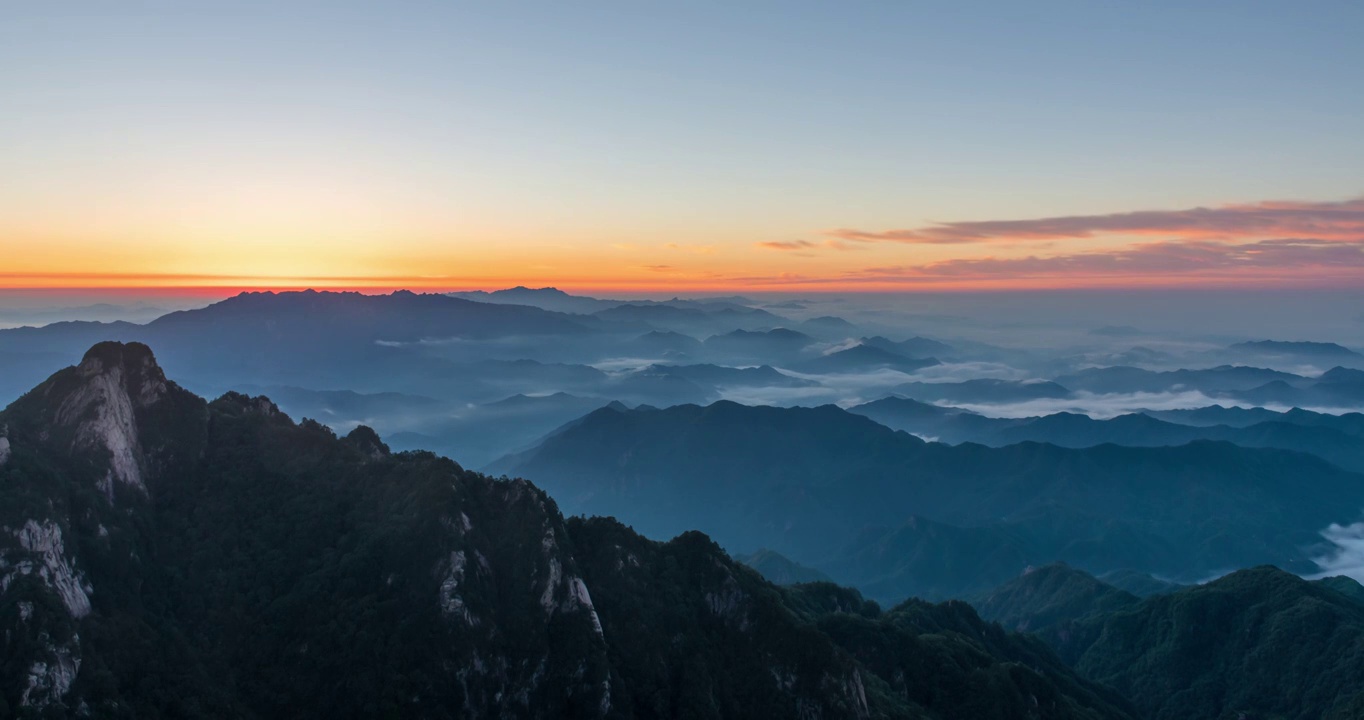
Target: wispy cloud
(1278, 262)
(1098, 406)
(788, 245)
(1149, 258)
(804, 245)
(1346, 556)
(1322, 220)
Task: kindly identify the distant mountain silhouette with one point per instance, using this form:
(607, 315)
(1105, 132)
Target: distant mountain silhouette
(913, 347)
(1323, 351)
(303, 338)
(1212, 380)
(1339, 439)
(828, 327)
(861, 359)
(771, 346)
(982, 390)
(720, 376)
(546, 298)
(780, 570)
(663, 344)
(692, 318)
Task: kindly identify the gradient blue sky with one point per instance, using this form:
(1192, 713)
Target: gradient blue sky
(635, 144)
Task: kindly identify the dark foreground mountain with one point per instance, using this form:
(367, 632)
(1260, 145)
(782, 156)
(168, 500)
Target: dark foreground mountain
(897, 516)
(1050, 599)
(166, 557)
(1258, 643)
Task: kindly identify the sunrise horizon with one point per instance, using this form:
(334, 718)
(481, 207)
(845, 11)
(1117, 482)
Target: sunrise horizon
(1269, 244)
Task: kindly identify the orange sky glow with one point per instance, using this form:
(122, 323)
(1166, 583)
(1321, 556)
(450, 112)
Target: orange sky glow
(1274, 244)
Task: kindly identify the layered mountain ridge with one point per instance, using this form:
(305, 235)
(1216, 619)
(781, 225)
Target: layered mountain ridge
(165, 556)
(897, 516)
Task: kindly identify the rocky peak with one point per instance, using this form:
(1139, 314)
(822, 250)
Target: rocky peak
(235, 403)
(97, 406)
(131, 363)
(364, 439)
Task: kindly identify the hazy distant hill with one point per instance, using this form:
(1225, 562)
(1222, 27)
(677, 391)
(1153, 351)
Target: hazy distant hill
(913, 347)
(779, 569)
(982, 390)
(1305, 351)
(1226, 378)
(809, 482)
(690, 317)
(663, 344)
(744, 346)
(546, 298)
(1337, 438)
(720, 376)
(861, 359)
(308, 338)
(828, 327)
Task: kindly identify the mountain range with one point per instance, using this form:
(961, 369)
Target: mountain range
(897, 516)
(1336, 438)
(166, 556)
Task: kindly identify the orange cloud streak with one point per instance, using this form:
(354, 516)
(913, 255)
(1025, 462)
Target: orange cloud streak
(1328, 221)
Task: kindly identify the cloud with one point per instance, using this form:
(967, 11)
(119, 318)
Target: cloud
(1279, 262)
(802, 245)
(1323, 221)
(1165, 257)
(787, 245)
(781, 396)
(625, 364)
(1347, 557)
(1269, 257)
(843, 389)
(958, 372)
(1097, 406)
(660, 268)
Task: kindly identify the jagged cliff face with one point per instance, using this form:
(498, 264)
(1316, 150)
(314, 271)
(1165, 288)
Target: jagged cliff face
(110, 466)
(165, 556)
(77, 434)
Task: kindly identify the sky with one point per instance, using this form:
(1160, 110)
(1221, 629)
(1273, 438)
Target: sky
(697, 146)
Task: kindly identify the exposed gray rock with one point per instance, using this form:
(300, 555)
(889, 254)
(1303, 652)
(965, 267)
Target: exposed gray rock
(45, 540)
(49, 680)
(103, 410)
